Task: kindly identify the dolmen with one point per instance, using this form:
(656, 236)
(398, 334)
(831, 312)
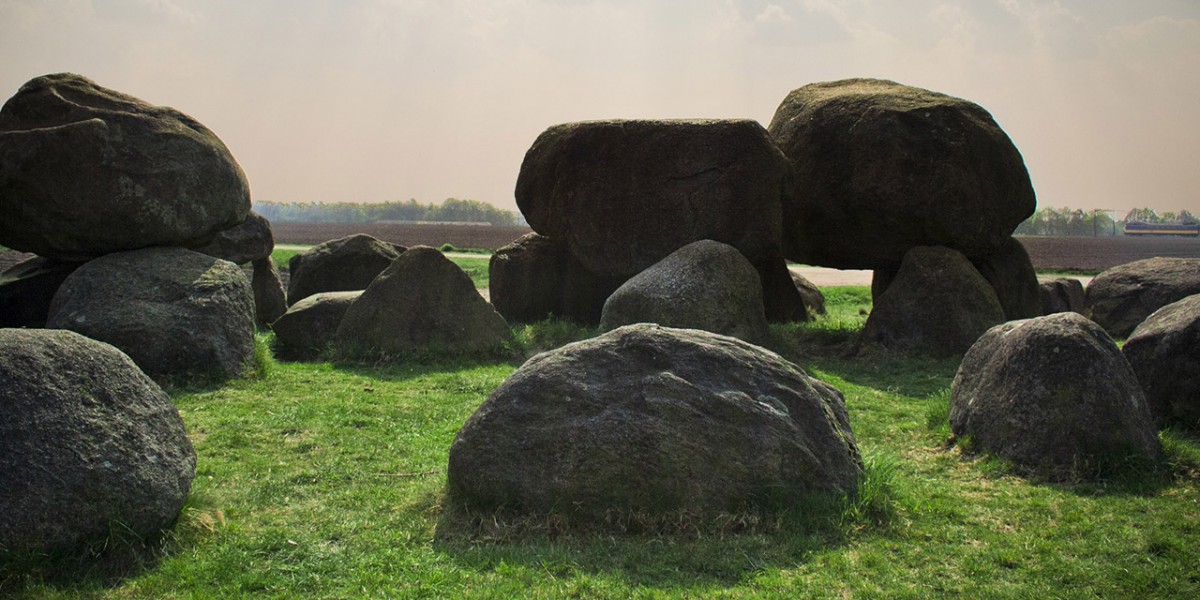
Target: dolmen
(1122, 297)
(91, 174)
(652, 422)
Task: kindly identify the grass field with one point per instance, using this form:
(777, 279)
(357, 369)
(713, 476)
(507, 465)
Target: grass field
(326, 481)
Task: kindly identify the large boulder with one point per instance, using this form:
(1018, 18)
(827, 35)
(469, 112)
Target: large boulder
(422, 302)
(937, 304)
(341, 265)
(624, 194)
(27, 288)
(1122, 297)
(175, 312)
(525, 278)
(88, 444)
(1054, 396)
(248, 241)
(654, 421)
(703, 285)
(535, 277)
(308, 327)
(85, 171)
(814, 300)
(1164, 352)
(270, 301)
(1064, 294)
(1010, 273)
(881, 168)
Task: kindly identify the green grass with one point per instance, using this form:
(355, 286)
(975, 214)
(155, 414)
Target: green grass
(326, 480)
(475, 267)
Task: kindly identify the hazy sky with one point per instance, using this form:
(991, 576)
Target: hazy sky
(373, 100)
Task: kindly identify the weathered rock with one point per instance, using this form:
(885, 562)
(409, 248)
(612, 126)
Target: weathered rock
(342, 265)
(270, 301)
(1010, 273)
(1054, 396)
(248, 241)
(423, 301)
(1164, 352)
(814, 300)
(27, 288)
(88, 443)
(881, 168)
(938, 304)
(175, 312)
(783, 301)
(624, 194)
(704, 285)
(85, 171)
(308, 327)
(1064, 294)
(1122, 297)
(654, 421)
(525, 278)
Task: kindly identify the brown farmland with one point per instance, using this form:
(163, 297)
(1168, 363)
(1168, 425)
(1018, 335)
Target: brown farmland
(1099, 253)
(405, 234)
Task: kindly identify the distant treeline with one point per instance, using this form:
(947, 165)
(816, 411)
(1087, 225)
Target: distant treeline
(1074, 221)
(452, 209)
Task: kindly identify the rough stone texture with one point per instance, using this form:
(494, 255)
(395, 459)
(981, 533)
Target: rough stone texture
(85, 171)
(652, 420)
(1164, 352)
(703, 285)
(882, 167)
(535, 276)
(87, 441)
(813, 299)
(1062, 295)
(341, 265)
(1011, 275)
(270, 301)
(423, 301)
(1054, 396)
(624, 194)
(525, 278)
(245, 242)
(783, 301)
(308, 327)
(938, 304)
(27, 288)
(1123, 296)
(175, 312)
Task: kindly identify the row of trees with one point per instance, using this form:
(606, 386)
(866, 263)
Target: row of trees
(1074, 221)
(452, 209)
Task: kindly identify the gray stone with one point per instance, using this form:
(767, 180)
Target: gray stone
(654, 421)
(1064, 294)
(525, 278)
(270, 301)
(307, 328)
(88, 444)
(422, 302)
(622, 195)
(814, 300)
(27, 288)
(175, 312)
(86, 171)
(1010, 273)
(703, 285)
(881, 168)
(1055, 397)
(938, 304)
(1164, 352)
(248, 241)
(342, 265)
(1122, 297)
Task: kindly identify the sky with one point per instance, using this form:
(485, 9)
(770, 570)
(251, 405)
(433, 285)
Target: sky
(378, 100)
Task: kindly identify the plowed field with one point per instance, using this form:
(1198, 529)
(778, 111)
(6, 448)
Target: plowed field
(405, 234)
(1099, 253)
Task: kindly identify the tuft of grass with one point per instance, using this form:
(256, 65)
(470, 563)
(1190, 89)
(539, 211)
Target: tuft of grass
(548, 334)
